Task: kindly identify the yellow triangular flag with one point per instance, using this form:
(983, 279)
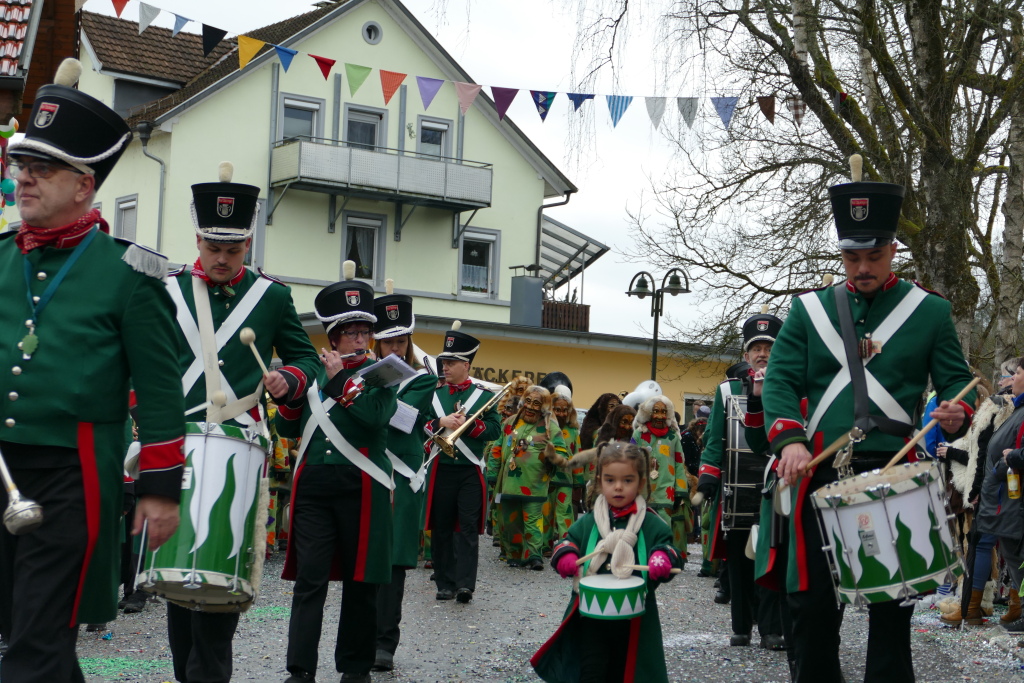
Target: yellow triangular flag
(247, 49)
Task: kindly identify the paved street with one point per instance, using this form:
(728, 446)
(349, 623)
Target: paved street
(492, 638)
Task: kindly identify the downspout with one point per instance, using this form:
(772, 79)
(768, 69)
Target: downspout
(145, 131)
(540, 220)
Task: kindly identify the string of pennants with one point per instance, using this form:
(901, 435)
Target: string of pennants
(467, 93)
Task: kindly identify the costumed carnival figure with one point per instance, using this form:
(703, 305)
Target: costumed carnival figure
(564, 483)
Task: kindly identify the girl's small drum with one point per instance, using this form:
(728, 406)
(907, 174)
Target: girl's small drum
(603, 596)
(209, 559)
(888, 535)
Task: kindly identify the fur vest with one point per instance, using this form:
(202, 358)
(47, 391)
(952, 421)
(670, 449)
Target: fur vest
(992, 412)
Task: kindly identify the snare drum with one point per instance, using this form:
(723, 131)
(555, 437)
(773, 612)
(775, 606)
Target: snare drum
(743, 473)
(888, 535)
(209, 559)
(603, 596)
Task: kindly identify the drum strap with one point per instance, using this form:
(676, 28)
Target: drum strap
(319, 408)
(861, 402)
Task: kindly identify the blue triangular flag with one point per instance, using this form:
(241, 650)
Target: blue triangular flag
(285, 54)
(179, 23)
(725, 106)
(543, 100)
(578, 99)
(617, 105)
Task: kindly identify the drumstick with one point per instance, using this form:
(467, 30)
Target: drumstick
(928, 427)
(248, 337)
(647, 568)
(587, 557)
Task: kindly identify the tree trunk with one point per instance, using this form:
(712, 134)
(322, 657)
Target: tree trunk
(1011, 286)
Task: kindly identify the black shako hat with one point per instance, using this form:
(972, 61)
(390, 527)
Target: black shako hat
(866, 214)
(346, 301)
(224, 211)
(69, 126)
(458, 345)
(394, 313)
(556, 379)
(760, 327)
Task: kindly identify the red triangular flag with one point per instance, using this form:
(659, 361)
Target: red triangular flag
(389, 83)
(119, 6)
(325, 65)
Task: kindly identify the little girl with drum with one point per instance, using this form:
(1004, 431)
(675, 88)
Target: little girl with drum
(620, 553)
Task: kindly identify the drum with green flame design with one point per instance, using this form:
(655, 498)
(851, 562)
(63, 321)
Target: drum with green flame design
(604, 596)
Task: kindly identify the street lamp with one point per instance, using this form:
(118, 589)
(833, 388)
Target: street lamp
(675, 282)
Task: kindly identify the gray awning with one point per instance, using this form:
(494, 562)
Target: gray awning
(565, 252)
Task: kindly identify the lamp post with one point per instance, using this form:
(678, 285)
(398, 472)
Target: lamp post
(676, 281)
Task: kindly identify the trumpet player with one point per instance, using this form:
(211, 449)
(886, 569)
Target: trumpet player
(456, 491)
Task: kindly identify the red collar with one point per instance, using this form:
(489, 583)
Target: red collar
(64, 237)
(354, 362)
(456, 388)
(889, 283)
(660, 433)
(618, 513)
(197, 271)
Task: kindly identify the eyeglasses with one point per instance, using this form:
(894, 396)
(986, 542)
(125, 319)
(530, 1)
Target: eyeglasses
(40, 170)
(352, 334)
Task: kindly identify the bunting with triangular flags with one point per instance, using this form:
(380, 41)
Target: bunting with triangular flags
(390, 81)
(285, 55)
(325, 65)
(656, 109)
(247, 49)
(467, 93)
(725, 106)
(543, 99)
(767, 106)
(428, 89)
(356, 75)
(179, 23)
(503, 99)
(211, 38)
(688, 109)
(577, 99)
(798, 107)
(147, 14)
(119, 6)
(617, 106)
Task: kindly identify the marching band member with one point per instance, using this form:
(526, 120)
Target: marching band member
(655, 428)
(341, 524)
(899, 334)
(455, 497)
(216, 298)
(83, 313)
(393, 336)
(749, 602)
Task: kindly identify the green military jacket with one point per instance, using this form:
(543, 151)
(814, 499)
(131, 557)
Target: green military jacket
(275, 323)
(526, 472)
(109, 324)
(476, 437)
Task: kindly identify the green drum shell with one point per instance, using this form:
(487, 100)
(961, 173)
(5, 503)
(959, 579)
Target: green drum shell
(602, 596)
(218, 571)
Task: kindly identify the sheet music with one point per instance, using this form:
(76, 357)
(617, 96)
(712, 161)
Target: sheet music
(387, 372)
(404, 418)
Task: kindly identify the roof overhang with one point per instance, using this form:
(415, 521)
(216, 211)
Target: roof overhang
(565, 253)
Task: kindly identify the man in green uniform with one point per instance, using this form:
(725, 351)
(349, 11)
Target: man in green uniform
(456, 491)
(898, 335)
(341, 525)
(82, 315)
(216, 298)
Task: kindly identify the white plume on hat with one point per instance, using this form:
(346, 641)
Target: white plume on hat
(348, 270)
(68, 73)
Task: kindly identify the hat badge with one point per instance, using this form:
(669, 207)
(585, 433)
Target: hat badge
(392, 312)
(47, 113)
(762, 325)
(859, 209)
(352, 297)
(225, 206)
(449, 342)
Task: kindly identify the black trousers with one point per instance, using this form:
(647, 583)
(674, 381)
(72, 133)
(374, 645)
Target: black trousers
(603, 646)
(325, 523)
(817, 618)
(457, 499)
(750, 602)
(201, 644)
(389, 611)
(39, 574)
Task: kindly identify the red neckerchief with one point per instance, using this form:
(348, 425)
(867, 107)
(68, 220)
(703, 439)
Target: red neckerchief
(456, 388)
(197, 271)
(660, 433)
(64, 237)
(618, 513)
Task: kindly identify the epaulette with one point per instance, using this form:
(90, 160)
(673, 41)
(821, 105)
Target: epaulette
(143, 259)
(930, 291)
(177, 272)
(264, 273)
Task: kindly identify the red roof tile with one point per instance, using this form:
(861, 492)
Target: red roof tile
(14, 16)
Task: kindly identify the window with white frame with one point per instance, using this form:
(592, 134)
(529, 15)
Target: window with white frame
(301, 117)
(362, 243)
(365, 128)
(434, 138)
(126, 217)
(478, 262)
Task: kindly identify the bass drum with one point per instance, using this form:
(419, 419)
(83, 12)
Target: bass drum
(743, 473)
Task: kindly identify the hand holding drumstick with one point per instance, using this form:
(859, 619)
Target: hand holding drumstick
(274, 381)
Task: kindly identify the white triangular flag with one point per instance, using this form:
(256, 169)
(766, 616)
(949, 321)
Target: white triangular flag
(656, 109)
(147, 15)
(179, 23)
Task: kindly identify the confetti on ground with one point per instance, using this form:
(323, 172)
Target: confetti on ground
(113, 667)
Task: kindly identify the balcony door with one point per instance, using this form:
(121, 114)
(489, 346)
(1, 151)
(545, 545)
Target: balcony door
(365, 128)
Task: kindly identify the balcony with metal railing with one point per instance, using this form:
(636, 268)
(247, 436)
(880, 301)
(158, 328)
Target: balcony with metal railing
(380, 173)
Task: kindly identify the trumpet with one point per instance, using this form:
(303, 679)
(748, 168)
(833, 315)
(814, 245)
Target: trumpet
(22, 514)
(446, 442)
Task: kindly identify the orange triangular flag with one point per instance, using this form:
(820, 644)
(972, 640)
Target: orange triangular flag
(389, 83)
(325, 65)
(119, 6)
(247, 49)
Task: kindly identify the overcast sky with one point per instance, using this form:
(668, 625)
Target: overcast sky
(529, 44)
